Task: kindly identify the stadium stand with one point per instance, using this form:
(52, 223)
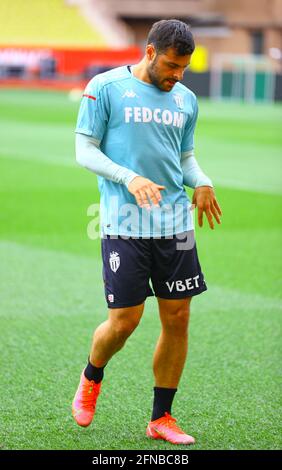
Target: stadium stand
(47, 23)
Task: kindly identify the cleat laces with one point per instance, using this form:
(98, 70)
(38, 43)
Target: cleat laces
(88, 396)
(169, 421)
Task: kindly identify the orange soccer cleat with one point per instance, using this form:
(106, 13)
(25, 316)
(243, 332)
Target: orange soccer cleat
(84, 402)
(166, 429)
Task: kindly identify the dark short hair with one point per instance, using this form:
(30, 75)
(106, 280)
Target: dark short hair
(171, 33)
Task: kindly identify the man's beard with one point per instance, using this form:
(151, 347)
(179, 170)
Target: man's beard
(153, 75)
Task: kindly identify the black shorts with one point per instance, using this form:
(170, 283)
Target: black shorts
(171, 264)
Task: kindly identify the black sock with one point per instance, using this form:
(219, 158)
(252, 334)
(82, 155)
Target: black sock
(94, 373)
(163, 398)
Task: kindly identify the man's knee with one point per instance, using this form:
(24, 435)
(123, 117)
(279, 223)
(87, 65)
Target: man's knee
(124, 329)
(175, 316)
(125, 321)
(178, 320)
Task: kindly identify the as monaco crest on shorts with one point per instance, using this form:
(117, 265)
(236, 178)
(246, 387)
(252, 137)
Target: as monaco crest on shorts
(114, 261)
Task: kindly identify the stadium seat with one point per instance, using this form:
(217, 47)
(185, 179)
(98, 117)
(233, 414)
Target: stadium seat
(46, 23)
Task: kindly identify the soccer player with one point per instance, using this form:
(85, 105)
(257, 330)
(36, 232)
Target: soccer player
(135, 131)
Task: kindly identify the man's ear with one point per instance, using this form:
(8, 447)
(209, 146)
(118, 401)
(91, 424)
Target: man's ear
(150, 52)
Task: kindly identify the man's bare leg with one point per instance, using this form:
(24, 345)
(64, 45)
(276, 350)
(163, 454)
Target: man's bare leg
(108, 338)
(112, 334)
(172, 346)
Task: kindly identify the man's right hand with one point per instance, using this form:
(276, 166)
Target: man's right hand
(144, 191)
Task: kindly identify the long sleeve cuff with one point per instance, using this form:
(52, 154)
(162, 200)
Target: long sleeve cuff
(193, 176)
(89, 155)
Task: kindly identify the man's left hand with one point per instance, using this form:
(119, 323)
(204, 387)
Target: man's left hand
(205, 200)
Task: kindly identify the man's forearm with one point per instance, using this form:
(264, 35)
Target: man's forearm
(193, 176)
(89, 155)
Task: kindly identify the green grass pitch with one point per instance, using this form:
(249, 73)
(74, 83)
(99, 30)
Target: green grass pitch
(51, 292)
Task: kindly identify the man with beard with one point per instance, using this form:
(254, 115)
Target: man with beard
(135, 130)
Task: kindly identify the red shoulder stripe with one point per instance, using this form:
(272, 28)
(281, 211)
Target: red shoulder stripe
(89, 96)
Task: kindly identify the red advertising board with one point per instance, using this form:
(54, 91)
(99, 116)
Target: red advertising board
(68, 61)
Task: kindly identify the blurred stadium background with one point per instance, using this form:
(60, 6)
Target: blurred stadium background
(51, 293)
(65, 42)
